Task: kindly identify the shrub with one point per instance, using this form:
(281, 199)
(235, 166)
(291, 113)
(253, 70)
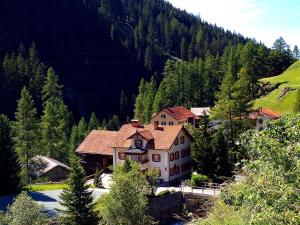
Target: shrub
(98, 179)
(198, 179)
(164, 193)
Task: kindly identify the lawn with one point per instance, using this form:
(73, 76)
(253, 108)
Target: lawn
(46, 187)
(289, 78)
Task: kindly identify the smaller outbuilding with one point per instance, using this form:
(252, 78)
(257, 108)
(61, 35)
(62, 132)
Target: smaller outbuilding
(42, 167)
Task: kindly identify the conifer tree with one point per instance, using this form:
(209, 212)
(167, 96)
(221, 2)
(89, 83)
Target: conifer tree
(139, 103)
(74, 139)
(9, 165)
(82, 129)
(93, 123)
(26, 132)
(150, 91)
(77, 199)
(55, 119)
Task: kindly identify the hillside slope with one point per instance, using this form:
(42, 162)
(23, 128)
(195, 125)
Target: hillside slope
(277, 100)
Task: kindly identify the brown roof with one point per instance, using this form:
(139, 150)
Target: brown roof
(163, 137)
(146, 134)
(179, 113)
(98, 142)
(265, 112)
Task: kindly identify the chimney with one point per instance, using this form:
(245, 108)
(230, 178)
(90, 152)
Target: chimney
(155, 123)
(135, 123)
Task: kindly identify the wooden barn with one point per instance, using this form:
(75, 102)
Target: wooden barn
(42, 167)
(96, 150)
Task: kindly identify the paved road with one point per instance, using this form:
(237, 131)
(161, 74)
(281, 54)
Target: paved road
(49, 199)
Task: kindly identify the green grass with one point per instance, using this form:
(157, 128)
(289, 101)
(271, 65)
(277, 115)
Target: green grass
(46, 187)
(289, 78)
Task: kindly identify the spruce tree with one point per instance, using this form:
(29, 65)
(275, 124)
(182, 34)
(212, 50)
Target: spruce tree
(9, 165)
(139, 103)
(77, 199)
(82, 129)
(26, 132)
(93, 123)
(55, 119)
(74, 139)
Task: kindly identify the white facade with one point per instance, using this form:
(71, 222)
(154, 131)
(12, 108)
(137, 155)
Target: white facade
(167, 161)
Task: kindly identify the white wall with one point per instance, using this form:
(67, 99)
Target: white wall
(165, 164)
(167, 119)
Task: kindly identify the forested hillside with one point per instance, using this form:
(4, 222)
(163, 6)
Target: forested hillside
(101, 47)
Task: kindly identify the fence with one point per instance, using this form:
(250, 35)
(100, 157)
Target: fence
(203, 188)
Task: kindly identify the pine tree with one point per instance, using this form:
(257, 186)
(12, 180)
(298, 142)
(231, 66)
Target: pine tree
(74, 139)
(77, 199)
(93, 123)
(219, 146)
(55, 119)
(296, 52)
(26, 132)
(139, 103)
(150, 91)
(82, 129)
(9, 165)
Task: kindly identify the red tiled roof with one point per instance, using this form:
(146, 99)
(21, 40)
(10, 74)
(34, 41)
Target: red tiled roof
(98, 142)
(264, 112)
(179, 113)
(163, 137)
(146, 134)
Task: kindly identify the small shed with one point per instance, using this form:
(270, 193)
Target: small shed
(50, 169)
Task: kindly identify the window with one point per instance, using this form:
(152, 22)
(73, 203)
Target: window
(176, 141)
(121, 155)
(138, 143)
(163, 116)
(171, 123)
(163, 123)
(181, 139)
(156, 157)
(171, 156)
(183, 168)
(172, 171)
(182, 153)
(260, 121)
(177, 155)
(177, 169)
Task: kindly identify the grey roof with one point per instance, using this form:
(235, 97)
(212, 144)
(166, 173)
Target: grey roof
(201, 111)
(40, 165)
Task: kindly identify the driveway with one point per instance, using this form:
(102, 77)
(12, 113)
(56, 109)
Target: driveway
(48, 199)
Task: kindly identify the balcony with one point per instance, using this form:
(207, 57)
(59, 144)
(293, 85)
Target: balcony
(137, 155)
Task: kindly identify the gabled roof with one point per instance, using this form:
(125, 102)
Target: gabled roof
(163, 137)
(146, 134)
(264, 112)
(179, 113)
(97, 142)
(40, 165)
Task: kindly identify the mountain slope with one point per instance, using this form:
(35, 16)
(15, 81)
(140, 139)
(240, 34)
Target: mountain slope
(281, 99)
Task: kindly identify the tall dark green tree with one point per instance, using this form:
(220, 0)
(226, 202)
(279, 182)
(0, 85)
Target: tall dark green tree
(77, 199)
(93, 122)
(27, 135)
(55, 119)
(74, 139)
(9, 165)
(82, 129)
(296, 52)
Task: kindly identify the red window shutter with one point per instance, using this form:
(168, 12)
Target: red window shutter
(171, 156)
(177, 155)
(153, 157)
(158, 157)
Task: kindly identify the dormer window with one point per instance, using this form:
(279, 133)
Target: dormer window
(163, 116)
(138, 143)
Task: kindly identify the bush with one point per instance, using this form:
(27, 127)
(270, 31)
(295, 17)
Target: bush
(164, 193)
(98, 179)
(198, 179)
